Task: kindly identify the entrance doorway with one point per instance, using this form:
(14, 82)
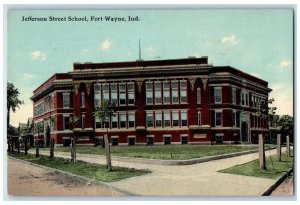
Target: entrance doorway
(245, 137)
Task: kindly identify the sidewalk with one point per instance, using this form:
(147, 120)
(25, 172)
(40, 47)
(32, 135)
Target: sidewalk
(190, 180)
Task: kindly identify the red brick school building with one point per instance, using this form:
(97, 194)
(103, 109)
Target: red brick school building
(175, 101)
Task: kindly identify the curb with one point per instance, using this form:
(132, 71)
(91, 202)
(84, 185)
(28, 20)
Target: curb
(86, 179)
(268, 191)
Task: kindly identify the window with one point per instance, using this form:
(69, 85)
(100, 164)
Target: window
(47, 103)
(167, 140)
(131, 97)
(114, 93)
(218, 94)
(174, 86)
(150, 140)
(82, 121)
(98, 124)
(167, 122)
(198, 95)
(114, 121)
(114, 141)
(175, 119)
(157, 87)
(122, 94)
(131, 141)
(183, 118)
(66, 100)
(184, 140)
(82, 99)
(97, 95)
(244, 98)
(158, 119)
(131, 120)
(183, 98)
(105, 91)
(233, 95)
(199, 118)
(218, 118)
(39, 109)
(233, 119)
(66, 122)
(149, 119)
(122, 120)
(166, 92)
(149, 93)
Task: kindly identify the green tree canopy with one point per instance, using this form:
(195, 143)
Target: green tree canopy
(105, 111)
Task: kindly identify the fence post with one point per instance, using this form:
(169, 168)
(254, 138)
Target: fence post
(51, 147)
(279, 147)
(261, 152)
(25, 144)
(288, 145)
(37, 151)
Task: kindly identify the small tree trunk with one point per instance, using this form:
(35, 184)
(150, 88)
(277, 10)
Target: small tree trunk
(279, 147)
(261, 152)
(73, 149)
(107, 152)
(18, 145)
(51, 148)
(37, 147)
(25, 144)
(288, 145)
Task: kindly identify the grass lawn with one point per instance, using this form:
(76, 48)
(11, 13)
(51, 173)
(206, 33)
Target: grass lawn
(92, 171)
(177, 152)
(252, 168)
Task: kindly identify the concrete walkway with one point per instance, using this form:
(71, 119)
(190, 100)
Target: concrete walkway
(190, 180)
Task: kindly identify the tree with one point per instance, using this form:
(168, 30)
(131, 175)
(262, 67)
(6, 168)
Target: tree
(287, 125)
(74, 121)
(23, 135)
(38, 128)
(13, 103)
(104, 113)
(264, 112)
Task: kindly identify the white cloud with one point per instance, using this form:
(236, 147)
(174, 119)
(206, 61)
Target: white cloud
(285, 63)
(105, 45)
(38, 55)
(229, 40)
(27, 76)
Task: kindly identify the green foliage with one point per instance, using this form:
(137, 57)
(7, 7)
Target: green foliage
(105, 111)
(287, 124)
(13, 101)
(179, 152)
(92, 171)
(38, 127)
(74, 120)
(252, 168)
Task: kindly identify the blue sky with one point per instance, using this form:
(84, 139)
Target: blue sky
(256, 41)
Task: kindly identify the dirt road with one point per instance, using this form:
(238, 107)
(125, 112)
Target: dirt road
(28, 180)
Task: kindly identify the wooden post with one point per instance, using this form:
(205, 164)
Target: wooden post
(107, 152)
(25, 144)
(288, 145)
(279, 147)
(18, 146)
(37, 153)
(261, 152)
(72, 152)
(51, 147)
(74, 149)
